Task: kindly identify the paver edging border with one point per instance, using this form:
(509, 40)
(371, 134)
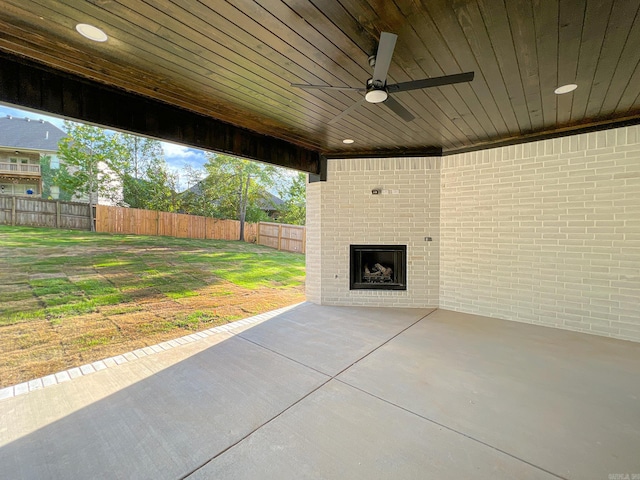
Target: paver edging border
(89, 368)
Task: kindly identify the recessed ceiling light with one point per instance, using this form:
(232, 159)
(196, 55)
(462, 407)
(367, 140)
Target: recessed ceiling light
(91, 32)
(570, 87)
(347, 140)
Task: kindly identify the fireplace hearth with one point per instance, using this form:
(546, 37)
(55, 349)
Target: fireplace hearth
(378, 267)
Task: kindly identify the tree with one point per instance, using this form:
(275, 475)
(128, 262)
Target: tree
(235, 188)
(92, 163)
(142, 156)
(195, 200)
(141, 153)
(161, 188)
(294, 209)
(48, 173)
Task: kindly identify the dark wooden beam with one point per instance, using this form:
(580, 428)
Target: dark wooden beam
(322, 176)
(24, 83)
(385, 153)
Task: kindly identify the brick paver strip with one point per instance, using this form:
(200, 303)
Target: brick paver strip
(120, 359)
(35, 384)
(62, 376)
(21, 388)
(99, 365)
(109, 362)
(6, 393)
(49, 380)
(88, 369)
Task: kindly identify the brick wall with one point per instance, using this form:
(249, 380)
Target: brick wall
(349, 214)
(313, 283)
(546, 232)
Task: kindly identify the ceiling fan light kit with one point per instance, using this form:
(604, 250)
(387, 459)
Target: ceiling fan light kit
(376, 95)
(378, 91)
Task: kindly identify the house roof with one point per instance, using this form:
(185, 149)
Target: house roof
(268, 202)
(234, 62)
(29, 134)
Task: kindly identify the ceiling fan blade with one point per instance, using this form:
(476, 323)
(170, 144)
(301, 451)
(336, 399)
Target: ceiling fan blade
(346, 112)
(398, 109)
(431, 82)
(383, 57)
(327, 87)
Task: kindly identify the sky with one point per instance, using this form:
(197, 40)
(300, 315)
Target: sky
(177, 156)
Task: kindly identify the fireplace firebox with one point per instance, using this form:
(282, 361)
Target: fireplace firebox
(378, 267)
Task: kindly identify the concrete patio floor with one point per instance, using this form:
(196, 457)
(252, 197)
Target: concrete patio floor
(343, 393)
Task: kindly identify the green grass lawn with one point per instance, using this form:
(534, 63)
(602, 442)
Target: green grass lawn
(69, 297)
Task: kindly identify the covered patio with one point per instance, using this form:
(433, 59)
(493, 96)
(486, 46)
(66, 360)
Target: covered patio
(505, 160)
(343, 392)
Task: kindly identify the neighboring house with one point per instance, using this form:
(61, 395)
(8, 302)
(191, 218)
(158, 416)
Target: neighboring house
(269, 203)
(113, 185)
(23, 143)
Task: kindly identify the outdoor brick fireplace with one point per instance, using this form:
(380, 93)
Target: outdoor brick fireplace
(375, 211)
(378, 267)
(541, 232)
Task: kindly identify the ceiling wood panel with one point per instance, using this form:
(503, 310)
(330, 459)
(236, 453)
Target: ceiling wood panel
(494, 15)
(621, 20)
(234, 61)
(626, 65)
(489, 82)
(545, 18)
(442, 37)
(520, 13)
(593, 33)
(570, 27)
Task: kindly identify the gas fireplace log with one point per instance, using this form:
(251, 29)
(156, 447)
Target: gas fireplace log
(384, 271)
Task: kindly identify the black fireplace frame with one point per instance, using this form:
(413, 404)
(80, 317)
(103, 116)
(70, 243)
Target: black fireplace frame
(356, 267)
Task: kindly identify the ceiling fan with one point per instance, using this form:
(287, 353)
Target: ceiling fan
(378, 91)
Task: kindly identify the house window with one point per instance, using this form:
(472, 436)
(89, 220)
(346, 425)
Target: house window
(18, 189)
(55, 192)
(55, 161)
(17, 164)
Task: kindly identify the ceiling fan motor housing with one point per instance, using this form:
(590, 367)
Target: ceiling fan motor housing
(375, 93)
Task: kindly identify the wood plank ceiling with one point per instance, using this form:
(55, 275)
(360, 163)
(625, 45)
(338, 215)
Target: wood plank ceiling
(235, 60)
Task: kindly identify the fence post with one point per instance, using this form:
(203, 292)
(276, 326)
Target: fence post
(58, 215)
(13, 211)
(258, 233)
(279, 237)
(157, 223)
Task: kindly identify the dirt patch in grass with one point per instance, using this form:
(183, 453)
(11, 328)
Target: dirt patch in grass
(71, 298)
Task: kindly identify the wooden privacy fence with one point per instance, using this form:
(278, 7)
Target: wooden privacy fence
(150, 222)
(36, 212)
(291, 238)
